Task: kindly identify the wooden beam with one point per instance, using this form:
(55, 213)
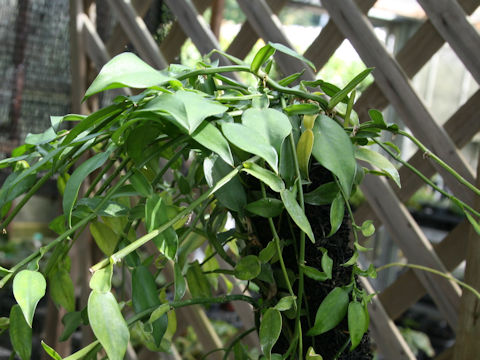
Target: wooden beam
(468, 332)
(450, 20)
(407, 289)
(330, 38)
(138, 33)
(78, 63)
(195, 27)
(267, 25)
(172, 44)
(395, 85)
(119, 39)
(389, 340)
(414, 245)
(246, 38)
(216, 19)
(94, 45)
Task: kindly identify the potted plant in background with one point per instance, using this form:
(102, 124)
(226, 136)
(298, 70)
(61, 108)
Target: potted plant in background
(271, 169)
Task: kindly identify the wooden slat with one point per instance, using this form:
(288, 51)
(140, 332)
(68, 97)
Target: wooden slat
(414, 54)
(195, 27)
(118, 39)
(468, 332)
(395, 85)
(138, 33)
(78, 65)
(413, 243)
(390, 342)
(247, 37)
(461, 127)
(95, 47)
(445, 355)
(450, 20)
(172, 44)
(330, 38)
(267, 25)
(407, 289)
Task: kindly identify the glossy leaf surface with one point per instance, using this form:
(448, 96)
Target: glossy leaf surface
(270, 328)
(331, 311)
(379, 161)
(357, 323)
(28, 288)
(296, 213)
(20, 333)
(247, 268)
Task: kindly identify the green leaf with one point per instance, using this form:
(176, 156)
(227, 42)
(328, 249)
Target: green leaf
(266, 207)
(304, 151)
(188, 109)
(179, 282)
(266, 176)
(286, 50)
(339, 96)
(312, 355)
(232, 195)
(289, 79)
(71, 322)
(368, 229)
(352, 260)
(267, 252)
(261, 57)
(139, 140)
(331, 311)
(51, 352)
(333, 150)
(108, 324)
(141, 184)
(126, 70)
(197, 281)
(156, 214)
(83, 352)
(377, 118)
(159, 312)
(209, 136)
(357, 323)
(337, 212)
(378, 161)
(73, 184)
(285, 303)
(322, 195)
(43, 138)
(247, 268)
(251, 141)
(61, 289)
(305, 108)
(296, 213)
(270, 328)
(20, 333)
(273, 125)
(314, 274)
(28, 288)
(104, 236)
(101, 280)
(327, 263)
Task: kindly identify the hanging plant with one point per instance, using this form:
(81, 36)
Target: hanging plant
(259, 176)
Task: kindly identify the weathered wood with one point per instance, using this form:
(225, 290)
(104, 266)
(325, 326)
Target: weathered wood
(412, 56)
(390, 342)
(468, 331)
(395, 85)
(267, 25)
(218, 7)
(195, 27)
(94, 45)
(78, 64)
(450, 21)
(118, 39)
(461, 127)
(246, 38)
(172, 44)
(138, 33)
(413, 243)
(446, 354)
(407, 289)
(330, 38)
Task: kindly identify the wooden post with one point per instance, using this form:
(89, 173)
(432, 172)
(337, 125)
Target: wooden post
(217, 16)
(468, 332)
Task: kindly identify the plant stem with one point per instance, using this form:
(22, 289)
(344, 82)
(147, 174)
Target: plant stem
(427, 180)
(119, 255)
(301, 255)
(276, 239)
(237, 339)
(433, 271)
(443, 164)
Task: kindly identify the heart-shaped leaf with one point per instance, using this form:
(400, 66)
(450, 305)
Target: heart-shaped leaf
(28, 288)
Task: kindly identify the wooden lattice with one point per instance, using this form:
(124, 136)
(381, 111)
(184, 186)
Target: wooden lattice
(446, 22)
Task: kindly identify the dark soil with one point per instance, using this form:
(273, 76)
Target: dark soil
(328, 344)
